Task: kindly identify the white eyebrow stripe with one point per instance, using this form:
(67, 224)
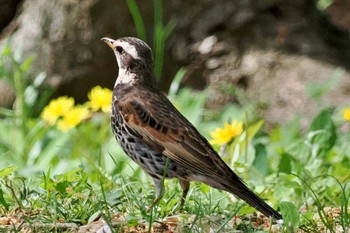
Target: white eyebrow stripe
(130, 49)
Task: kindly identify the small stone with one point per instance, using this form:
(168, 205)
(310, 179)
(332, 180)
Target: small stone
(206, 46)
(213, 63)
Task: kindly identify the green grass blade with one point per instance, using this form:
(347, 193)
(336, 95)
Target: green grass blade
(3, 201)
(344, 215)
(138, 21)
(175, 84)
(320, 208)
(158, 13)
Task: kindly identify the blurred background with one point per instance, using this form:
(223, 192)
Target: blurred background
(271, 51)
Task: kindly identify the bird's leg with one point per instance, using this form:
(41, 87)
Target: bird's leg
(159, 185)
(185, 185)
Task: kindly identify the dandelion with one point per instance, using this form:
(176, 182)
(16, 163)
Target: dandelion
(57, 108)
(72, 118)
(100, 98)
(224, 135)
(346, 114)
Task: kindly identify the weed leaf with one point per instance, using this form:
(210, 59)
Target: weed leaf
(290, 214)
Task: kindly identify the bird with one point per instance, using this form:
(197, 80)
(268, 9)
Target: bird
(154, 134)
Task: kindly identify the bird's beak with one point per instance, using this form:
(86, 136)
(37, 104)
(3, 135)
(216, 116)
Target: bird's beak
(108, 41)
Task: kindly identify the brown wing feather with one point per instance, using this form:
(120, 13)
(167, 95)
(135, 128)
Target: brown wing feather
(160, 123)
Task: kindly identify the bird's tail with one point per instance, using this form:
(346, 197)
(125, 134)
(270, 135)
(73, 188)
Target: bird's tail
(244, 193)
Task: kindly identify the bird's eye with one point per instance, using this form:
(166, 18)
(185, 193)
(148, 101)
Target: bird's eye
(120, 49)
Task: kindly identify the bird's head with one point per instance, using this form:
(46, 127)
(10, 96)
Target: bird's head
(134, 58)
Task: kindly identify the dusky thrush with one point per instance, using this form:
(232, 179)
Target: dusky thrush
(158, 137)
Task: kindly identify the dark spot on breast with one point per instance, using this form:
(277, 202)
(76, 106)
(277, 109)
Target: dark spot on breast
(173, 168)
(158, 127)
(131, 140)
(152, 122)
(141, 160)
(174, 131)
(143, 116)
(145, 155)
(137, 107)
(159, 159)
(165, 129)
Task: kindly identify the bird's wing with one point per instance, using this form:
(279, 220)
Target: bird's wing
(160, 124)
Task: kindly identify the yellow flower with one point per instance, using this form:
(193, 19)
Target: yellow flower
(100, 98)
(224, 135)
(72, 118)
(57, 108)
(346, 114)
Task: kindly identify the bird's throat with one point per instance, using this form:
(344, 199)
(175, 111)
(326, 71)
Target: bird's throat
(125, 77)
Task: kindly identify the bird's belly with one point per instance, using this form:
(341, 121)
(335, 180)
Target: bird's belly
(152, 162)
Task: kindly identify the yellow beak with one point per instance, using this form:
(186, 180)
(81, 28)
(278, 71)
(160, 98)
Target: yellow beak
(108, 41)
